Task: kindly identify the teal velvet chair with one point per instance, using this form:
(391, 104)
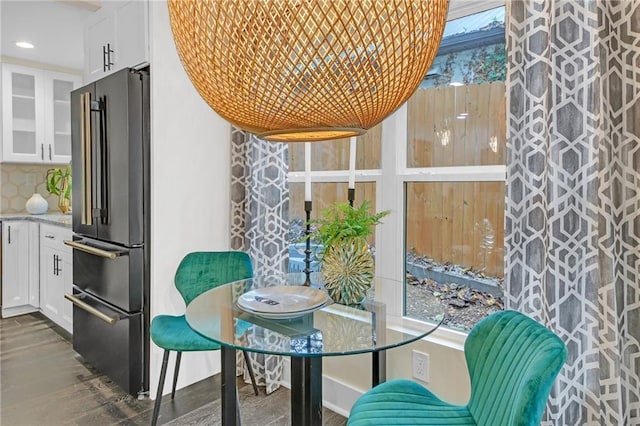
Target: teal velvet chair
(197, 273)
(512, 362)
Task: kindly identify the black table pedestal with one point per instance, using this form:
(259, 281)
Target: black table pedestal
(229, 395)
(378, 368)
(306, 391)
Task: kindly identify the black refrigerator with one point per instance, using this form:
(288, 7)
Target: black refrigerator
(110, 165)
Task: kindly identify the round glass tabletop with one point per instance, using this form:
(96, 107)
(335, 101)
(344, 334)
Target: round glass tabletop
(322, 328)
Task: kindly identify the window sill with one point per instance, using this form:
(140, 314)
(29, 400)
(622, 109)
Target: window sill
(442, 336)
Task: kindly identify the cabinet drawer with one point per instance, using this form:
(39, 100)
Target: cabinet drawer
(54, 236)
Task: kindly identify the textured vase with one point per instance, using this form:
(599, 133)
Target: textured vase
(64, 203)
(348, 270)
(36, 204)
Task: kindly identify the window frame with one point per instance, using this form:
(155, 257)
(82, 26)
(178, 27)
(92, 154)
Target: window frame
(390, 182)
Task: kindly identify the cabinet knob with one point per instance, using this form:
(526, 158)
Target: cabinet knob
(50, 237)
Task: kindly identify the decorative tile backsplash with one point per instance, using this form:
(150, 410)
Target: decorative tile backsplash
(18, 183)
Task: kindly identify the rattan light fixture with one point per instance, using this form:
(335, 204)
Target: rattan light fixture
(306, 70)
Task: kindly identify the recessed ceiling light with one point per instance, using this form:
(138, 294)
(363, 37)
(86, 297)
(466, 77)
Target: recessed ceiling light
(25, 45)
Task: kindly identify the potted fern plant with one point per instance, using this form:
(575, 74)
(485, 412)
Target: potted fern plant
(59, 183)
(347, 261)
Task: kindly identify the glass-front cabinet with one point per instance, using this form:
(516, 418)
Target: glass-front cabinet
(36, 118)
(23, 114)
(58, 127)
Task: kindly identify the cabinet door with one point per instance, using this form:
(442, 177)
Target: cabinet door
(117, 38)
(132, 35)
(65, 272)
(22, 114)
(99, 39)
(58, 89)
(50, 284)
(15, 265)
(55, 274)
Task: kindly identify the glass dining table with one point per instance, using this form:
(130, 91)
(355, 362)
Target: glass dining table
(329, 330)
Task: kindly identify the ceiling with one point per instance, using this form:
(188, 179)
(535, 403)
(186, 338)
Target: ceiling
(55, 28)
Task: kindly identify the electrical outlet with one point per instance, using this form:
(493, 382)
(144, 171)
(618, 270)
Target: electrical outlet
(421, 366)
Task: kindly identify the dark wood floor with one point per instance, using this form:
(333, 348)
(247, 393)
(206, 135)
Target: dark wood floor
(44, 382)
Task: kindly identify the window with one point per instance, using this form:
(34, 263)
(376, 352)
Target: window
(438, 165)
(330, 168)
(454, 177)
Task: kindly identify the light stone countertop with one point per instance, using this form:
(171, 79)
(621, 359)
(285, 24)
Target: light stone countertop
(58, 219)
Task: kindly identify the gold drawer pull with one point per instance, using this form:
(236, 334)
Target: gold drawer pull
(94, 250)
(90, 309)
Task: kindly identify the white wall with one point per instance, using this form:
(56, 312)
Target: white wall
(190, 179)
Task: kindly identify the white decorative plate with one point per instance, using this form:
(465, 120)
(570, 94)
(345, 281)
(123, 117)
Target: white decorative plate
(282, 300)
(285, 315)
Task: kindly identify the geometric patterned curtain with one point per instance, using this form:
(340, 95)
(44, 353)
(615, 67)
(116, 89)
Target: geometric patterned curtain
(573, 196)
(259, 225)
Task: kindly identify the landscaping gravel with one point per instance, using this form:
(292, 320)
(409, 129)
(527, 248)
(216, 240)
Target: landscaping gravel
(464, 306)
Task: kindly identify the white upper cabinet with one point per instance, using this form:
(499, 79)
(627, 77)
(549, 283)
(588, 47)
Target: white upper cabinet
(100, 42)
(116, 37)
(22, 114)
(58, 125)
(36, 121)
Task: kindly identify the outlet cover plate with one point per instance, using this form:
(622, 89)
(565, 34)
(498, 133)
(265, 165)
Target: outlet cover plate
(420, 364)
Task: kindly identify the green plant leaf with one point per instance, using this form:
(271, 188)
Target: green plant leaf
(59, 181)
(340, 221)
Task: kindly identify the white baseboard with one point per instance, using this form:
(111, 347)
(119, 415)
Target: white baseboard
(337, 396)
(18, 310)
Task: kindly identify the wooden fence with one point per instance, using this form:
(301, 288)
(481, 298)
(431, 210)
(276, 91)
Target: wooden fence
(457, 222)
(438, 135)
(334, 154)
(461, 223)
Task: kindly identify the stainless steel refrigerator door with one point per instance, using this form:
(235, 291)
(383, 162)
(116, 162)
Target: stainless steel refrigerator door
(83, 135)
(109, 136)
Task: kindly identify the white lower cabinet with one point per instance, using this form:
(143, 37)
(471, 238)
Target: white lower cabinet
(19, 268)
(56, 275)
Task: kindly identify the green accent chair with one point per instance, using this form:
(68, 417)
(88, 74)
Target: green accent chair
(197, 273)
(512, 361)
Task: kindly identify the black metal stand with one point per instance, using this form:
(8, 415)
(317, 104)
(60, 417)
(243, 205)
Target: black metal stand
(351, 195)
(307, 251)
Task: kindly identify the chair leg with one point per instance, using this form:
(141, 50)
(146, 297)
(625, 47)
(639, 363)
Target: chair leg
(250, 368)
(175, 374)
(238, 419)
(163, 373)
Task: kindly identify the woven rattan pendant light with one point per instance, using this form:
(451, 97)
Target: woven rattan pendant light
(306, 70)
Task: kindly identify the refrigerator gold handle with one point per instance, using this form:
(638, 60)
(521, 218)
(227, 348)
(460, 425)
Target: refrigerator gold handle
(90, 309)
(94, 250)
(87, 184)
